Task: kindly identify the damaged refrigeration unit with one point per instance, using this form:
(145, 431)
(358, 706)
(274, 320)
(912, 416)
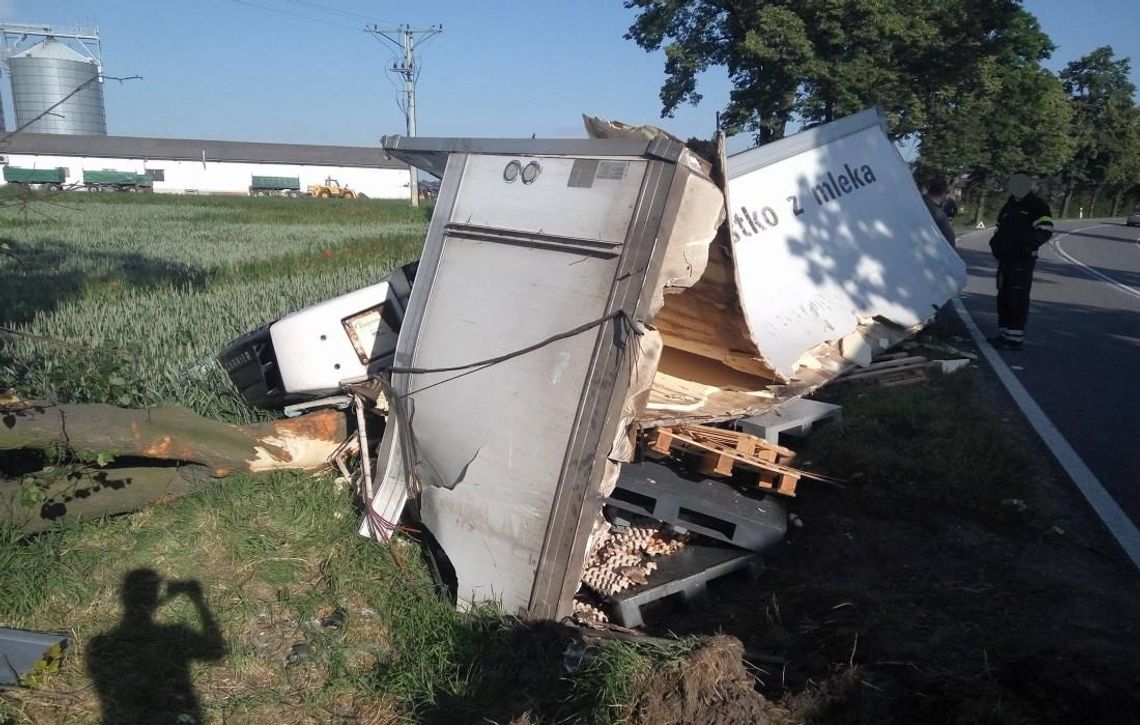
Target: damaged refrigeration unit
(582, 305)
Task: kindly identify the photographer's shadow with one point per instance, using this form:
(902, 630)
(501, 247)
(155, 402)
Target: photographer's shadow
(141, 669)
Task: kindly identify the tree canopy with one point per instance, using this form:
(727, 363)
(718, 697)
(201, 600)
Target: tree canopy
(1103, 118)
(963, 78)
(816, 60)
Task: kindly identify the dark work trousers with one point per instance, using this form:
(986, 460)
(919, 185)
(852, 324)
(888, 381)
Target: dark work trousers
(1014, 279)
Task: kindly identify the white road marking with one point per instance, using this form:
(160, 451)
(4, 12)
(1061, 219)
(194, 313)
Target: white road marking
(1055, 242)
(1105, 506)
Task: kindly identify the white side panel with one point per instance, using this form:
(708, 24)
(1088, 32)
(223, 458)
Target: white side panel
(314, 353)
(502, 430)
(578, 198)
(828, 234)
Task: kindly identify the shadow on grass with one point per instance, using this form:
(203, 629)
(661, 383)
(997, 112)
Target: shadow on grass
(482, 665)
(479, 666)
(37, 278)
(141, 669)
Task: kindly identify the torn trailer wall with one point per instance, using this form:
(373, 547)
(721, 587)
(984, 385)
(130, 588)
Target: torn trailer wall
(828, 254)
(529, 240)
(612, 239)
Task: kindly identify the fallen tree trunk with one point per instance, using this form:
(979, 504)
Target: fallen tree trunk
(156, 454)
(176, 434)
(93, 493)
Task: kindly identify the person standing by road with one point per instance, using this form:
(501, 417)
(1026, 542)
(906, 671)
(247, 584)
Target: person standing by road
(1024, 223)
(935, 198)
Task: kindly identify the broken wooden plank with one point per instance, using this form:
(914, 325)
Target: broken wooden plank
(905, 370)
(892, 356)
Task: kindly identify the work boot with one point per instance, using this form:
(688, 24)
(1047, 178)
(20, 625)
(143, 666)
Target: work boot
(1002, 342)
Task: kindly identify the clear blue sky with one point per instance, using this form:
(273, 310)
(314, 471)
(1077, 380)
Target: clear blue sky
(288, 71)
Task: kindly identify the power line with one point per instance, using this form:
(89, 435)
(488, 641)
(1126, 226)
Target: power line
(334, 11)
(281, 11)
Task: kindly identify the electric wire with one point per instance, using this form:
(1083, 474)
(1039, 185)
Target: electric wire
(280, 11)
(335, 11)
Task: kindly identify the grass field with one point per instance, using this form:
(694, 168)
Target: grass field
(273, 557)
(126, 299)
(952, 579)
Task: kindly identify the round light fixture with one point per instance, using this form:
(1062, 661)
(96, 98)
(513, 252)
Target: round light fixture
(530, 172)
(511, 172)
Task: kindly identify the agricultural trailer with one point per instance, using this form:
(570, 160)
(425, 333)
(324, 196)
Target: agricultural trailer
(289, 186)
(52, 179)
(115, 180)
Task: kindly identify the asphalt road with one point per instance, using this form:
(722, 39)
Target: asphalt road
(1081, 360)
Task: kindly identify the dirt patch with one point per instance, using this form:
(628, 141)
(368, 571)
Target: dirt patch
(710, 685)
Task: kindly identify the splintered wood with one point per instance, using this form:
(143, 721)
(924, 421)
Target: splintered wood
(722, 451)
(618, 561)
(901, 368)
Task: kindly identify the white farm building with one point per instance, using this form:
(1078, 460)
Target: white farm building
(188, 166)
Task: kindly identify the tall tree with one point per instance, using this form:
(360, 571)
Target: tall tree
(815, 60)
(1124, 171)
(1012, 116)
(1101, 96)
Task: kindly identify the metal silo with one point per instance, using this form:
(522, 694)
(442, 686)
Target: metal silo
(42, 76)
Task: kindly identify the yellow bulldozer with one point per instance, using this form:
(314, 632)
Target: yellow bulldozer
(331, 188)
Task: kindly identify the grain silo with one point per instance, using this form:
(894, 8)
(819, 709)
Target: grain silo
(47, 73)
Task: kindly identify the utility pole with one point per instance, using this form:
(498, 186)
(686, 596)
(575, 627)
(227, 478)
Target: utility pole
(405, 40)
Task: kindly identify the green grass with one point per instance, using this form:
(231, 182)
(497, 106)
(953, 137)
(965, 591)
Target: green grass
(274, 555)
(125, 299)
(200, 234)
(923, 450)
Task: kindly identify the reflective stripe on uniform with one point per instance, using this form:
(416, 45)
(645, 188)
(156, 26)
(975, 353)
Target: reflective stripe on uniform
(1042, 221)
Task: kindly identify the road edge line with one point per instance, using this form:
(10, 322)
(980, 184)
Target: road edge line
(1102, 502)
(1055, 242)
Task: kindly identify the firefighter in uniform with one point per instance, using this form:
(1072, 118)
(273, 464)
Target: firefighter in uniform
(1023, 225)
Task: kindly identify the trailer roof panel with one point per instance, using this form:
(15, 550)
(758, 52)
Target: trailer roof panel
(132, 147)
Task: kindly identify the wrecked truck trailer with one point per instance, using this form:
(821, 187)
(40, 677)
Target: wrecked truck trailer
(573, 293)
(565, 248)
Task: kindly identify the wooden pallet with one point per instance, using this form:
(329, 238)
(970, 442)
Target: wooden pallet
(723, 451)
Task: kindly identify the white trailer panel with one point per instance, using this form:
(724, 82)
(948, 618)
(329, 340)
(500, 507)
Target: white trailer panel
(829, 231)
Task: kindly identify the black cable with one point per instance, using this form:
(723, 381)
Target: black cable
(516, 353)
